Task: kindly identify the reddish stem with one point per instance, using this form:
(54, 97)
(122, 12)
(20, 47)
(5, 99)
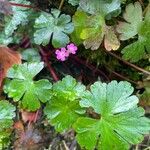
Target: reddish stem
(45, 59)
(1, 76)
(128, 63)
(121, 76)
(22, 5)
(90, 66)
(36, 116)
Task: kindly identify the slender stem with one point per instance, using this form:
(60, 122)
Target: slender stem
(148, 148)
(90, 66)
(61, 4)
(129, 64)
(23, 5)
(137, 147)
(51, 70)
(121, 76)
(146, 9)
(1, 76)
(36, 116)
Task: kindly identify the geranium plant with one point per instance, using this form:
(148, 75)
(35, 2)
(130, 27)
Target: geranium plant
(75, 74)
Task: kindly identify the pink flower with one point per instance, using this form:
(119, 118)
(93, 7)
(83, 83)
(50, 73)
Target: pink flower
(62, 54)
(72, 48)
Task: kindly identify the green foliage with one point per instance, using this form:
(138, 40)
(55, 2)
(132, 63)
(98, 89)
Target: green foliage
(7, 113)
(74, 2)
(121, 121)
(106, 116)
(130, 28)
(145, 96)
(19, 17)
(104, 7)
(63, 109)
(93, 33)
(31, 55)
(92, 30)
(4, 39)
(53, 26)
(79, 20)
(23, 88)
(135, 25)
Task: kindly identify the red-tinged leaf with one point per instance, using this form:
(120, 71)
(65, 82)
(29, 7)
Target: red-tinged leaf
(8, 58)
(19, 126)
(29, 116)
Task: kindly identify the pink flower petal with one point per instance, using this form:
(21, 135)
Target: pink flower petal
(62, 54)
(72, 48)
(57, 52)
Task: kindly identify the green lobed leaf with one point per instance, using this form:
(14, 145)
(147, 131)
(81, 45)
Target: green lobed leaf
(74, 2)
(94, 32)
(91, 30)
(79, 20)
(25, 71)
(133, 17)
(121, 121)
(5, 140)
(20, 15)
(69, 88)
(135, 25)
(31, 55)
(7, 113)
(134, 52)
(23, 88)
(56, 26)
(5, 40)
(63, 109)
(104, 7)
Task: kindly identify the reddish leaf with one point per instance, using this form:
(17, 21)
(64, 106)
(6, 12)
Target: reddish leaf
(8, 58)
(29, 116)
(19, 126)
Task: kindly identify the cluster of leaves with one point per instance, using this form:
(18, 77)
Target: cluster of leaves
(63, 108)
(91, 30)
(23, 87)
(7, 113)
(89, 26)
(137, 50)
(53, 26)
(19, 17)
(120, 121)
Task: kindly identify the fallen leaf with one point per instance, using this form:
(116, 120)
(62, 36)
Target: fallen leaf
(8, 58)
(19, 126)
